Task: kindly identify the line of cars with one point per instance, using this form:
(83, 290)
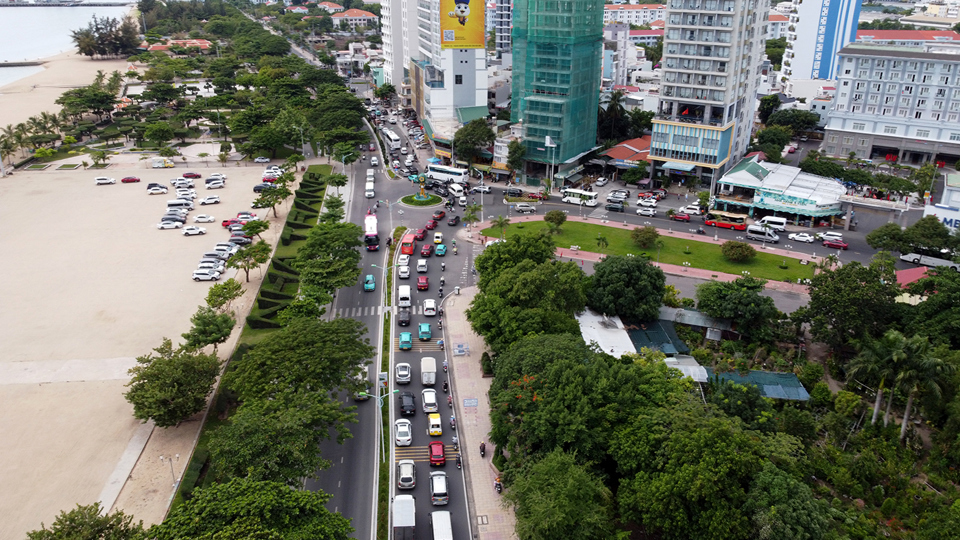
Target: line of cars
(213, 263)
(829, 239)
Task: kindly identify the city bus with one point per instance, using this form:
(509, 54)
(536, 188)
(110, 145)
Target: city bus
(579, 196)
(390, 139)
(727, 220)
(408, 244)
(445, 174)
(370, 235)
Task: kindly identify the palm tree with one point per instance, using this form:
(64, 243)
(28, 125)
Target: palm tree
(602, 242)
(501, 223)
(471, 214)
(879, 359)
(922, 371)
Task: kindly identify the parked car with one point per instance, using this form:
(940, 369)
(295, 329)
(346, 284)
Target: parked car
(261, 159)
(240, 240)
(169, 224)
(193, 231)
(213, 199)
(219, 176)
(215, 185)
(156, 191)
(801, 237)
(129, 180)
(614, 207)
(103, 180)
(262, 186)
(651, 202)
(228, 222)
(208, 274)
(513, 192)
(525, 208)
(191, 175)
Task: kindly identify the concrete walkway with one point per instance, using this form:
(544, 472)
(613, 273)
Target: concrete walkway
(490, 520)
(580, 255)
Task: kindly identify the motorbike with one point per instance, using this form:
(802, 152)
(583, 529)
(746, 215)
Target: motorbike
(443, 266)
(446, 387)
(453, 422)
(455, 251)
(499, 486)
(701, 231)
(444, 366)
(440, 324)
(483, 449)
(449, 401)
(442, 280)
(440, 343)
(456, 443)
(459, 466)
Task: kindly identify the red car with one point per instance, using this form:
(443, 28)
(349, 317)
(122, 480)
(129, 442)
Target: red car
(438, 215)
(228, 222)
(423, 283)
(191, 175)
(129, 179)
(269, 180)
(437, 455)
(836, 244)
(680, 216)
(535, 196)
(431, 225)
(420, 234)
(426, 250)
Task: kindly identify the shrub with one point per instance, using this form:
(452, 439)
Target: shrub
(644, 237)
(688, 303)
(704, 357)
(557, 217)
(486, 364)
(738, 251)
(811, 374)
(821, 396)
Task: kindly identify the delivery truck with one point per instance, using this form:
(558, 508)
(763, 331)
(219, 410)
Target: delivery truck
(162, 163)
(428, 371)
(404, 517)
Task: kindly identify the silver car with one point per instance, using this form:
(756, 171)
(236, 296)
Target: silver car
(404, 373)
(207, 274)
(406, 474)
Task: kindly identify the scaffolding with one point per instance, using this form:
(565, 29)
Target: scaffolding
(556, 82)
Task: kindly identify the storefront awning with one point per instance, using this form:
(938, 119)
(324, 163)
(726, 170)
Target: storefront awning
(574, 177)
(644, 182)
(686, 167)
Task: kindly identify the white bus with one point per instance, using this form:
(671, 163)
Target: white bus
(439, 172)
(391, 139)
(578, 196)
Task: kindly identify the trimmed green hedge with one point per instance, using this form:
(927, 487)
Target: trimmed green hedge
(266, 303)
(283, 266)
(275, 295)
(273, 276)
(258, 323)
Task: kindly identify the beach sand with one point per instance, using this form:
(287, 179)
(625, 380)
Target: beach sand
(37, 93)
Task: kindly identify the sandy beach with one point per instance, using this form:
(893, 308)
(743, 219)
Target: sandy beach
(35, 94)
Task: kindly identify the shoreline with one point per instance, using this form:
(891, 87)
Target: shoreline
(37, 93)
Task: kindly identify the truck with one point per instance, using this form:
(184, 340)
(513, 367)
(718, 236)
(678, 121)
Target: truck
(162, 163)
(404, 517)
(925, 260)
(428, 371)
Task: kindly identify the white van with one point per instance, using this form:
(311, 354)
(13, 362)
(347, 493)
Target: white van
(757, 232)
(456, 190)
(441, 525)
(403, 296)
(778, 224)
(368, 191)
(180, 203)
(370, 177)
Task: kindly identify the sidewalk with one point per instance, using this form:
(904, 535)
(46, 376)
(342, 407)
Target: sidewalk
(580, 255)
(489, 520)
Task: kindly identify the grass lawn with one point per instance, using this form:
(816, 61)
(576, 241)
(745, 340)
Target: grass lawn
(702, 255)
(37, 167)
(320, 169)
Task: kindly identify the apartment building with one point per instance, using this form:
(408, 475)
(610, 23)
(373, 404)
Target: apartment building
(907, 38)
(777, 25)
(646, 37)
(633, 14)
(901, 102)
(712, 52)
(502, 22)
(817, 31)
(354, 18)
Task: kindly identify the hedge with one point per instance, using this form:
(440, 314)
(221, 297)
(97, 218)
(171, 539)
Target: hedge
(273, 276)
(302, 206)
(266, 303)
(275, 295)
(283, 266)
(258, 323)
(298, 225)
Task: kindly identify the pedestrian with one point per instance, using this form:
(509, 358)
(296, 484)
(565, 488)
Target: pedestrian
(685, 197)
(678, 196)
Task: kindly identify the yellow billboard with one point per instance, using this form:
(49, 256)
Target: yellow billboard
(460, 26)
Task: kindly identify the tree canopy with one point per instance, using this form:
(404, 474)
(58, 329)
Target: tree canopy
(629, 287)
(472, 138)
(741, 302)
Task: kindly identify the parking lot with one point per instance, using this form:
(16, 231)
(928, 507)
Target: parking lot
(89, 283)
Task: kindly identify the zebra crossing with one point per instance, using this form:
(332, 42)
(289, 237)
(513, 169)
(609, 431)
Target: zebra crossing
(369, 311)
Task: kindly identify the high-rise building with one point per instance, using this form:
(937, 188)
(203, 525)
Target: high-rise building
(399, 28)
(502, 21)
(817, 31)
(556, 76)
(712, 51)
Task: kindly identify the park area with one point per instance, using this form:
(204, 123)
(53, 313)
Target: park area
(677, 251)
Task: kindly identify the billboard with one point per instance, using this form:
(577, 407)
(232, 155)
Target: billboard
(460, 26)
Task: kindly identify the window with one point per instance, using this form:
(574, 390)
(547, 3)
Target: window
(858, 97)
(902, 112)
(831, 138)
(831, 150)
(862, 142)
(918, 115)
(886, 111)
(908, 90)
(904, 102)
(875, 87)
(861, 85)
(891, 88)
(458, 79)
(951, 118)
(855, 108)
(895, 76)
(859, 126)
(921, 103)
(846, 83)
(871, 110)
(848, 140)
(923, 133)
(862, 74)
(955, 136)
(890, 130)
(938, 104)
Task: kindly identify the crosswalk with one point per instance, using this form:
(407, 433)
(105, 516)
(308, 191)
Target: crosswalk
(419, 346)
(421, 453)
(369, 311)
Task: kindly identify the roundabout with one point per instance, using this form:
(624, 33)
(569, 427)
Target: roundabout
(421, 197)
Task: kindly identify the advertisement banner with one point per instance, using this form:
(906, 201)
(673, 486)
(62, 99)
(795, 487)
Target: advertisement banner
(461, 25)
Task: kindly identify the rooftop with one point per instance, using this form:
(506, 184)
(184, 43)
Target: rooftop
(944, 52)
(631, 150)
(353, 13)
(776, 17)
(607, 332)
(784, 181)
(771, 384)
(654, 32)
(907, 35)
(618, 7)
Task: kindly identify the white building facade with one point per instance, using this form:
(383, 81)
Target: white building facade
(633, 14)
(896, 102)
(817, 31)
(712, 53)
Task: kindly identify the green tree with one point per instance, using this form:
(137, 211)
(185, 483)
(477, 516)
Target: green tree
(172, 386)
(516, 152)
(557, 217)
(469, 140)
(270, 198)
(775, 49)
(221, 294)
(629, 287)
(89, 521)
(333, 210)
(159, 132)
(738, 251)
(249, 257)
(776, 135)
(276, 440)
(938, 316)
(636, 174)
(501, 222)
(612, 120)
(929, 236)
(385, 91)
(209, 328)
(507, 254)
(923, 371)
(267, 138)
(887, 237)
(876, 363)
(305, 357)
(641, 122)
(246, 508)
(346, 153)
(256, 228)
(797, 120)
(781, 507)
(743, 401)
(654, 52)
(338, 180)
(740, 301)
(644, 237)
(768, 105)
(329, 260)
(560, 498)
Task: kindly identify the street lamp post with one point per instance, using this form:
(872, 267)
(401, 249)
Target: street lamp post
(170, 461)
(300, 129)
(380, 397)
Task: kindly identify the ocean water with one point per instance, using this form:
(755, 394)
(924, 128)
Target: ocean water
(33, 33)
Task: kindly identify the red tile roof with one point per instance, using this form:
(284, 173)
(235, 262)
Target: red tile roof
(647, 32)
(613, 7)
(776, 17)
(353, 13)
(632, 150)
(626, 88)
(908, 276)
(201, 44)
(657, 24)
(908, 35)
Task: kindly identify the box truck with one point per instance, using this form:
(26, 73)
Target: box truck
(162, 163)
(428, 371)
(404, 517)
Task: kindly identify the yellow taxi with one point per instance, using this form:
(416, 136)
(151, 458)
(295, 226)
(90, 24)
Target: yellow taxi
(434, 425)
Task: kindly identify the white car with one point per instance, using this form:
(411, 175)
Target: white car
(438, 238)
(204, 218)
(221, 176)
(801, 237)
(207, 274)
(482, 189)
(647, 211)
(374, 161)
(156, 191)
(169, 225)
(525, 208)
(215, 185)
(829, 235)
(691, 209)
(403, 260)
(404, 432)
(213, 199)
(211, 266)
(601, 182)
(193, 231)
(101, 180)
(651, 202)
(226, 247)
(182, 182)
(403, 272)
(261, 160)
(429, 307)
